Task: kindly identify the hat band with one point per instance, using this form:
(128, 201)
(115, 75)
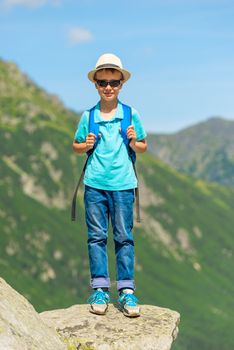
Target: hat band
(108, 65)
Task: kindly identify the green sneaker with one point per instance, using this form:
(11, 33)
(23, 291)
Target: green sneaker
(128, 303)
(99, 301)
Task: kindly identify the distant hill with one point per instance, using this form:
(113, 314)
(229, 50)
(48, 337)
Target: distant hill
(184, 245)
(205, 150)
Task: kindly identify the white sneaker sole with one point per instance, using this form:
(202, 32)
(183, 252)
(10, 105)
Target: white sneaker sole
(132, 314)
(98, 311)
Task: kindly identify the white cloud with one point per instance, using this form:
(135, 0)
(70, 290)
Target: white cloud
(78, 35)
(28, 3)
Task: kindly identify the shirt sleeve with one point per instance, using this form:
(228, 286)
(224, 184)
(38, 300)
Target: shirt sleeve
(140, 131)
(82, 128)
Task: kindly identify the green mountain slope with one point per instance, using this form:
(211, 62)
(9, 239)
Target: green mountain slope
(184, 244)
(205, 150)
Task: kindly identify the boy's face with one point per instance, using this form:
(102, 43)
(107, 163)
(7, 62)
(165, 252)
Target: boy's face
(108, 93)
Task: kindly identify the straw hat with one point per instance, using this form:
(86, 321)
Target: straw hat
(108, 60)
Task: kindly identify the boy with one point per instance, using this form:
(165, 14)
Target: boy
(109, 186)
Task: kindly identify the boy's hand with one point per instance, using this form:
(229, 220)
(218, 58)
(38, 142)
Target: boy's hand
(90, 140)
(131, 134)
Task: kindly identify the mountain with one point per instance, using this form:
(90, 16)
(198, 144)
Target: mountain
(205, 150)
(184, 244)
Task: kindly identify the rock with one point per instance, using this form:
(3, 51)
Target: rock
(21, 327)
(155, 329)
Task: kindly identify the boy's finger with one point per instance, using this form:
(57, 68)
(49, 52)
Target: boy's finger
(130, 127)
(91, 134)
(91, 138)
(131, 132)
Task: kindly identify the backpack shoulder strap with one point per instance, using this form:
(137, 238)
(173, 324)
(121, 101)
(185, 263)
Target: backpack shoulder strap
(93, 128)
(125, 123)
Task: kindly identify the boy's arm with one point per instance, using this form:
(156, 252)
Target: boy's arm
(83, 147)
(137, 146)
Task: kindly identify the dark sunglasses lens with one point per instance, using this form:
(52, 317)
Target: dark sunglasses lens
(102, 83)
(112, 83)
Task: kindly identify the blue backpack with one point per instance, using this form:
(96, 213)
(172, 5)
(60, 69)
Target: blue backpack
(94, 128)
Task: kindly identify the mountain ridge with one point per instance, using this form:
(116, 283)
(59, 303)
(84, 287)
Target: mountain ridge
(204, 150)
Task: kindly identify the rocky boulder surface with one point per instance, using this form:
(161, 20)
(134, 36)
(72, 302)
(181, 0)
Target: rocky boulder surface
(21, 327)
(155, 329)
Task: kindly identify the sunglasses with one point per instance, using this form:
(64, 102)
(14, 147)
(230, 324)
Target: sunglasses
(112, 83)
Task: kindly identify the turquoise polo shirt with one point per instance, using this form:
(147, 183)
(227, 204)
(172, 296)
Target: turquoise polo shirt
(109, 167)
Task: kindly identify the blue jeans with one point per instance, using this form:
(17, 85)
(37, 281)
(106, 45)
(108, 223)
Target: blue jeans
(99, 206)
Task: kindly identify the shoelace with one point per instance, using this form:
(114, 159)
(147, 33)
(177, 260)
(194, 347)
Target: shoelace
(98, 297)
(130, 299)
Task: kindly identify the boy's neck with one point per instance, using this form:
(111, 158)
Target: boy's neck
(108, 106)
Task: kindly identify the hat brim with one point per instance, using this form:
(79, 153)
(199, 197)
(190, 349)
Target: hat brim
(125, 73)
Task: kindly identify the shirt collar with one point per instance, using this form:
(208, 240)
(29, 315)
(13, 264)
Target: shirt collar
(118, 113)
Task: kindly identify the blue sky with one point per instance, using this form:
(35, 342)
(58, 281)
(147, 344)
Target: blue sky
(180, 53)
